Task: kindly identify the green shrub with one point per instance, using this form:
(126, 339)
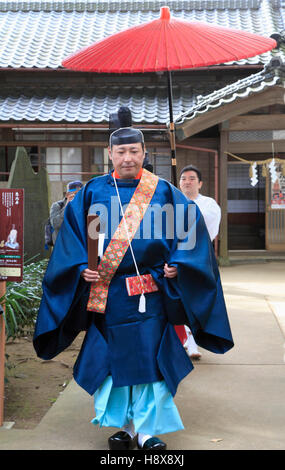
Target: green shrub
(22, 300)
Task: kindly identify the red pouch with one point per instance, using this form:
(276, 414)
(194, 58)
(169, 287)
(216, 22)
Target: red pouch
(134, 285)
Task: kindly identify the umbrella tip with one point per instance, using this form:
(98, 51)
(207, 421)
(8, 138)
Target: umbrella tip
(164, 13)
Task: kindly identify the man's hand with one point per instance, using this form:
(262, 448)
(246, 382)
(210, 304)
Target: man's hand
(90, 276)
(170, 271)
(70, 195)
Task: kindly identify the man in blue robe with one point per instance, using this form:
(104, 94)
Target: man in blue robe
(131, 359)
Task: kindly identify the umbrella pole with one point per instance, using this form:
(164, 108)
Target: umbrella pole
(172, 129)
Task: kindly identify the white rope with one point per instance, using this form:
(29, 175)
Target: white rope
(142, 297)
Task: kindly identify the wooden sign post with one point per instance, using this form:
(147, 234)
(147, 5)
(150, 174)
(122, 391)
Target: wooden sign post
(93, 229)
(11, 261)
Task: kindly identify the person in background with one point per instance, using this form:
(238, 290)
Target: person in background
(57, 209)
(190, 184)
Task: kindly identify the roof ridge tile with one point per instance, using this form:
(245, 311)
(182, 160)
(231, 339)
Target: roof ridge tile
(125, 5)
(272, 74)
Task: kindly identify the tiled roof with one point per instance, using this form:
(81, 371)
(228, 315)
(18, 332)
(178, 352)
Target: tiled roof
(273, 74)
(148, 105)
(42, 33)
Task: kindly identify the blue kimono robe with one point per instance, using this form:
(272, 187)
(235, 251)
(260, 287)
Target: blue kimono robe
(132, 347)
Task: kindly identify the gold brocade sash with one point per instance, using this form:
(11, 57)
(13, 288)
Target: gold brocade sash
(119, 244)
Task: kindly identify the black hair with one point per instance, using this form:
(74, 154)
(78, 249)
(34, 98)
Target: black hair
(146, 163)
(192, 168)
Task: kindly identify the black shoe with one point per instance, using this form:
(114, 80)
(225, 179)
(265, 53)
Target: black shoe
(122, 441)
(153, 443)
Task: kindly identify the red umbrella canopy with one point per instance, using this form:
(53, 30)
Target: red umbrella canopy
(168, 44)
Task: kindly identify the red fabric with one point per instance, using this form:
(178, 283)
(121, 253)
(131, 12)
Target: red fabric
(181, 332)
(138, 177)
(141, 284)
(168, 44)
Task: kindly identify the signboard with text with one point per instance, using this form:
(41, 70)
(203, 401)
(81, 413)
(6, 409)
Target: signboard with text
(11, 234)
(278, 190)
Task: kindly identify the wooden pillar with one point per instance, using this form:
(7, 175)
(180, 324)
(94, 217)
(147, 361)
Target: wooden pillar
(85, 161)
(86, 155)
(223, 255)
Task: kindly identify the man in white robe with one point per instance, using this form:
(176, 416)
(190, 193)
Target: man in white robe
(190, 184)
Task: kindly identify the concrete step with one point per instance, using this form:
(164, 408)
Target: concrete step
(255, 256)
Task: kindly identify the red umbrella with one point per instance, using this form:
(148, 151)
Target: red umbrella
(168, 44)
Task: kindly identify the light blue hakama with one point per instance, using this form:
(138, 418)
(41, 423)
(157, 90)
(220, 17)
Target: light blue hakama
(150, 407)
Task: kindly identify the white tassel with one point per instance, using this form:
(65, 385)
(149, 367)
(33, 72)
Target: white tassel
(142, 304)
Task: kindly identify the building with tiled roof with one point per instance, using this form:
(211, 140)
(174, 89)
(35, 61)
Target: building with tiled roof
(42, 33)
(62, 117)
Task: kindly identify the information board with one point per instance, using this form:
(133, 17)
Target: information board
(11, 234)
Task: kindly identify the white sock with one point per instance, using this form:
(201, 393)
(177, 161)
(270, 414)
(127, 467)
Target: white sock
(142, 438)
(129, 428)
(191, 345)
